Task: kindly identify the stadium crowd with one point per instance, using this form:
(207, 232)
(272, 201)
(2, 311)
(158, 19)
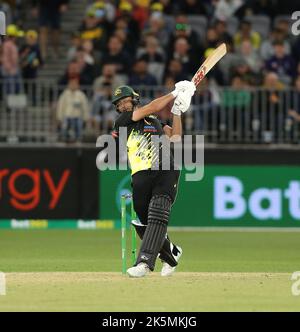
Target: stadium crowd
(148, 44)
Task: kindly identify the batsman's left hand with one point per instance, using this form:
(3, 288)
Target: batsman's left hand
(183, 101)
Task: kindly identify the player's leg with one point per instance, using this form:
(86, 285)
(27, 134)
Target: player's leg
(142, 192)
(163, 194)
(170, 253)
(154, 236)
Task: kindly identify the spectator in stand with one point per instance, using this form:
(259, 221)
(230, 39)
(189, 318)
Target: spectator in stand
(165, 114)
(258, 7)
(75, 45)
(30, 56)
(222, 34)
(87, 70)
(272, 82)
(228, 63)
(183, 29)
(238, 96)
(154, 56)
(169, 6)
(284, 26)
(129, 43)
(294, 111)
(296, 48)
(224, 9)
(72, 72)
(108, 77)
(270, 101)
(183, 53)
(242, 70)
(211, 42)
(79, 69)
(156, 9)
(95, 28)
(107, 6)
(141, 12)
(267, 48)
(115, 54)
(103, 111)
(88, 49)
(10, 61)
(30, 61)
(49, 13)
(192, 7)
(282, 64)
(246, 33)
(141, 76)
(236, 102)
(203, 104)
(157, 28)
(125, 11)
(72, 111)
(212, 38)
(250, 56)
(175, 71)
(169, 82)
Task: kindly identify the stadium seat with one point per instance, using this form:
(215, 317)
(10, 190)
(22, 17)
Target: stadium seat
(170, 22)
(278, 18)
(260, 24)
(157, 69)
(232, 25)
(198, 24)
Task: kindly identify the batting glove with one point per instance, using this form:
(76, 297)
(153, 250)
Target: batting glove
(183, 101)
(183, 86)
(186, 86)
(175, 110)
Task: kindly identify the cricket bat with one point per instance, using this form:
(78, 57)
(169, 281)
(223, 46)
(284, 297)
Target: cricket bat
(208, 64)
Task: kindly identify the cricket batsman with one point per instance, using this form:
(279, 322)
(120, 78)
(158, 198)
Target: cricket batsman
(154, 189)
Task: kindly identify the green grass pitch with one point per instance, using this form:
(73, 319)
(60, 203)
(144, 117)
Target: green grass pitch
(72, 270)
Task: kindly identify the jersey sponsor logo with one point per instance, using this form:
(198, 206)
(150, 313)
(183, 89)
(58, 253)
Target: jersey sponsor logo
(149, 128)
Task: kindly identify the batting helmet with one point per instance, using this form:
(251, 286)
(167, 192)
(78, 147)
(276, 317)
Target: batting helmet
(123, 92)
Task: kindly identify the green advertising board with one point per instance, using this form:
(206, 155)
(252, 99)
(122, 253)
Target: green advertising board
(33, 224)
(241, 196)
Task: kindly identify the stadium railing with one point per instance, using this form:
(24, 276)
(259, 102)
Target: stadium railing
(223, 115)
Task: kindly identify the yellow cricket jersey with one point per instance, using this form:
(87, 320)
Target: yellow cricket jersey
(142, 153)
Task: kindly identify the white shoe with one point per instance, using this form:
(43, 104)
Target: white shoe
(138, 271)
(167, 270)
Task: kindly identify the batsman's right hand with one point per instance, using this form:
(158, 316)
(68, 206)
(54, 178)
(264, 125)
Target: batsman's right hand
(186, 86)
(183, 86)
